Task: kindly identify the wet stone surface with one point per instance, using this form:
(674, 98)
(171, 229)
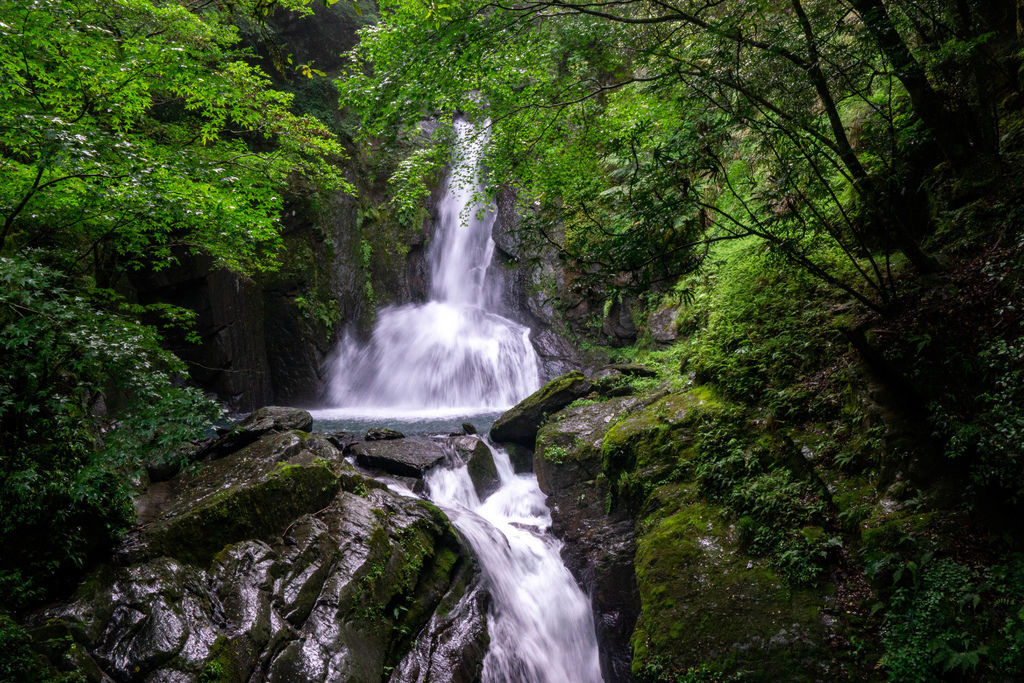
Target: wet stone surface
(407, 457)
(342, 580)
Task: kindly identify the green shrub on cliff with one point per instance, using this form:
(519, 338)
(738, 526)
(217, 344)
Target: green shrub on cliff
(86, 397)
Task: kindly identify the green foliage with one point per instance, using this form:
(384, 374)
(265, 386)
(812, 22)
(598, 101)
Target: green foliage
(316, 310)
(555, 454)
(990, 436)
(799, 123)
(131, 132)
(87, 397)
(948, 619)
(23, 663)
(132, 128)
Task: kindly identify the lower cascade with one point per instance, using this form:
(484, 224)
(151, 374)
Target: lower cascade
(541, 627)
(455, 355)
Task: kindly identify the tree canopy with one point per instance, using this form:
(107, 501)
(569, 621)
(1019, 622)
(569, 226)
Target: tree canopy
(647, 129)
(129, 127)
(131, 132)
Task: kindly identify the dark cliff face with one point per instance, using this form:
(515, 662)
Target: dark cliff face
(264, 339)
(231, 358)
(528, 283)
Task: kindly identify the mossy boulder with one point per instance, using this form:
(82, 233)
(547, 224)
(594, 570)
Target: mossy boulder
(654, 443)
(569, 444)
(520, 424)
(707, 605)
(253, 493)
(633, 369)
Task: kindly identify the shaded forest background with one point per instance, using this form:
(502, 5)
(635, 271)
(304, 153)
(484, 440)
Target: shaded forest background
(824, 195)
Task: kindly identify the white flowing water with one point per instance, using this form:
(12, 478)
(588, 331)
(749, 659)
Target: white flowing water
(541, 627)
(451, 354)
(455, 356)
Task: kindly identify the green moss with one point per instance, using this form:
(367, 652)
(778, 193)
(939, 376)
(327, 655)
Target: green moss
(223, 665)
(702, 600)
(558, 384)
(886, 532)
(655, 445)
(257, 510)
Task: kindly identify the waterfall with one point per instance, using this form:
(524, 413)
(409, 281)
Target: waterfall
(452, 354)
(541, 627)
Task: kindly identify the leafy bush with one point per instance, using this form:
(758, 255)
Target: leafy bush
(86, 397)
(950, 619)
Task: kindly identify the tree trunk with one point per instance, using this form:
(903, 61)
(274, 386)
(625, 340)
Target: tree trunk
(952, 128)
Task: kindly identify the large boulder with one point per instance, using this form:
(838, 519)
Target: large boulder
(405, 457)
(621, 478)
(520, 424)
(368, 581)
(662, 326)
(451, 648)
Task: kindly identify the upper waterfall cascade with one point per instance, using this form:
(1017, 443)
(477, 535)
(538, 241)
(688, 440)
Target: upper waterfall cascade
(454, 353)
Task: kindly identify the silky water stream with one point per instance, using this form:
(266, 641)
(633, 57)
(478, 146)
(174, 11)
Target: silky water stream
(454, 357)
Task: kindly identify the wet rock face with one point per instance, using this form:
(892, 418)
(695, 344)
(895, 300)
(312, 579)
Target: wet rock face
(452, 647)
(599, 547)
(519, 425)
(480, 463)
(529, 276)
(232, 359)
(331, 577)
(406, 457)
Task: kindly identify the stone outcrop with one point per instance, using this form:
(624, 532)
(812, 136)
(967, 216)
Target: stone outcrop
(599, 547)
(255, 425)
(528, 276)
(279, 562)
(519, 425)
(670, 581)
